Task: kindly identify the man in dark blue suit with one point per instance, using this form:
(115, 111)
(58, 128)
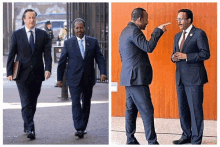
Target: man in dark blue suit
(190, 50)
(29, 44)
(79, 52)
(136, 74)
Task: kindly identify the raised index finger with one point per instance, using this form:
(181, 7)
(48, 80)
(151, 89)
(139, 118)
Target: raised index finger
(166, 24)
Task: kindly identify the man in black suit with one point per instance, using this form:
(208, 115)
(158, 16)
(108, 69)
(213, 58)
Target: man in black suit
(136, 74)
(80, 51)
(191, 49)
(29, 44)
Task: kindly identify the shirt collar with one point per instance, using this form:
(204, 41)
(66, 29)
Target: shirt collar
(78, 39)
(27, 30)
(188, 29)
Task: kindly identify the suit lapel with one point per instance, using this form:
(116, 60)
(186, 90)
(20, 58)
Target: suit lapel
(190, 35)
(25, 37)
(76, 44)
(177, 41)
(86, 46)
(36, 39)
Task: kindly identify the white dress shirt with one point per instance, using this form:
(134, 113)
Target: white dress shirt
(187, 33)
(29, 33)
(83, 41)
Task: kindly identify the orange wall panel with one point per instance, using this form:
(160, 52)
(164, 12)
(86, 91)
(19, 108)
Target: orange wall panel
(163, 88)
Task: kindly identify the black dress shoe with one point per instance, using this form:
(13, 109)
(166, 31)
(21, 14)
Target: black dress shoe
(85, 132)
(182, 141)
(156, 143)
(80, 134)
(30, 134)
(134, 141)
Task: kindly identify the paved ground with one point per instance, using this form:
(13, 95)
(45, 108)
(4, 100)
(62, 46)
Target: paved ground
(167, 130)
(54, 125)
(53, 118)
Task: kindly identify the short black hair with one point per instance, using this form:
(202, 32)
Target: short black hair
(28, 10)
(136, 13)
(79, 20)
(189, 13)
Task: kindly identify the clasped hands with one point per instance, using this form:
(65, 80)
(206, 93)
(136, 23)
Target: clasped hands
(60, 83)
(178, 56)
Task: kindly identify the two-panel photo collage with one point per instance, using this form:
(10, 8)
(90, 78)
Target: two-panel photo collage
(109, 73)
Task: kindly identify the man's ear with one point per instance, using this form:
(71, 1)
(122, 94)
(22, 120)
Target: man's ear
(189, 20)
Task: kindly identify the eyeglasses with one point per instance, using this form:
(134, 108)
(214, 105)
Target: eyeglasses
(180, 19)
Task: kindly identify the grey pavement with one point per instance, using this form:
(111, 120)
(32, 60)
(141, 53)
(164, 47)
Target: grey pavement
(167, 130)
(53, 118)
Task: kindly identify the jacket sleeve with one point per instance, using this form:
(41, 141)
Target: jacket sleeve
(11, 55)
(203, 46)
(62, 63)
(47, 53)
(140, 41)
(100, 60)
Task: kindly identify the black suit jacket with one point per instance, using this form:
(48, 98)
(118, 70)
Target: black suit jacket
(20, 47)
(196, 46)
(77, 66)
(133, 48)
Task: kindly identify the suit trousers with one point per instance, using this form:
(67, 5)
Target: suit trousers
(81, 103)
(190, 102)
(138, 98)
(29, 91)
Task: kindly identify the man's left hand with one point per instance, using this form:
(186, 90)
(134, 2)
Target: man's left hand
(103, 78)
(47, 74)
(180, 55)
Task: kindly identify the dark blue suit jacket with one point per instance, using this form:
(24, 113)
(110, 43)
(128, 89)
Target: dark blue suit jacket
(192, 71)
(77, 66)
(133, 48)
(20, 46)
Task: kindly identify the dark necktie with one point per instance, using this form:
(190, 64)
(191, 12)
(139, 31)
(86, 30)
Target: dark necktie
(31, 41)
(182, 42)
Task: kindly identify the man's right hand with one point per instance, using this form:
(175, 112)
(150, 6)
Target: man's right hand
(10, 78)
(163, 26)
(59, 83)
(174, 58)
